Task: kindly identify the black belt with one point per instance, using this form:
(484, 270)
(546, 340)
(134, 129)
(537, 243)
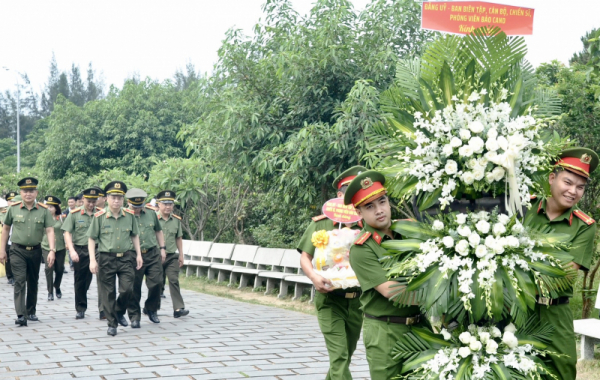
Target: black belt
(399, 320)
(147, 250)
(343, 294)
(28, 248)
(115, 254)
(552, 301)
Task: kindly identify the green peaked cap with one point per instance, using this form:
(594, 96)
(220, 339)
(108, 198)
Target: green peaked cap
(578, 160)
(364, 186)
(347, 176)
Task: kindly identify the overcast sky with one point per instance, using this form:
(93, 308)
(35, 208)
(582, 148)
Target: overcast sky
(155, 38)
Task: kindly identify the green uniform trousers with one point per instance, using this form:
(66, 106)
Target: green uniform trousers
(341, 321)
(153, 270)
(83, 277)
(7, 266)
(563, 338)
(171, 272)
(54, 275)
(26, 272)
(112, 267)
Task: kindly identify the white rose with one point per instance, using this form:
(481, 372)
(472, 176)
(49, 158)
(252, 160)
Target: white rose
(483, 215)
(464, 351)
(491, 347)
(496, 333)
(480, 251)
(437, 225)
(492, 133)
(491, 156)
(517, 228)
(489, 177)
(448, 150)
(492, 145)
(502, 142)
(478, 173)
(472, 163)
(504, 219)
(510, 328)
(483, 226)
(461, 218)
(475, 345)
(510, 339)
(465, 337)
(476, 143)
(484, 337)
(446, 334)
(512, 242)
(448, 241)
(476, 126)
(498, 173)
(490, 242)
(455, 142)
(462, 247)
(474, 239)
(499, 229)
(465, 151)
(464, 231)
(451, 167)
(468, 178)
(464, 134)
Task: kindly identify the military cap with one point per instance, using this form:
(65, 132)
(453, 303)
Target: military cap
(10, 195)
(52, 200)
(364, 188)
(115, 188)
(578, 160)
(166, 196)
(79, 196)
(28, 183)
(136, 197)
(91, 193)
(346, 177)
(100, 191)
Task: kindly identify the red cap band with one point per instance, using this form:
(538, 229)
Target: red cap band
(345, 181)
(364, 194)
(575, 165)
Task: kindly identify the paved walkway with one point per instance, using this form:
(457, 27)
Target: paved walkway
(220, 339)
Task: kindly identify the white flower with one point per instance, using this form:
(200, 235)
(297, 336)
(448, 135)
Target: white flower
(475, 345)
(455, 142)
(451, 167)
(464, 134)
(462, 247)
(484, 337)
(476, 143)
(492, 133)
(465, 337)
(448, 241)
(512, 242)
(483, 215)
(526, 365)
(476, 126)
(474, 239)
(483, 226)
(480, 251)
(464, 231)
(489, 177)
(491, 145)
(502, 142)
(498, 173)
(491, 347)
(517, 228)
(479, 173)
(495, 332)
(437, 225)
(464, 351)
(465, 151)
(504, 219)
(499, 229)
(448, 150)
(510, 328)
(490, 242)
(468, 178)
(510, 339)
(461, 218)
(446, 334)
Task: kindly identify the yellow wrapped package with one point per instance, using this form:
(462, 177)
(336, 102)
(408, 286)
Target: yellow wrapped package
(331, 259)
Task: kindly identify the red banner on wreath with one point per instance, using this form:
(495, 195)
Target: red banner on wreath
(336, 210)
(462, 17)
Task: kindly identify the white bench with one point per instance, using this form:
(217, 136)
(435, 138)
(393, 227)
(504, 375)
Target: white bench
(301, 282)
(219, 253)
(242, 257)
(590, 335)
(198, 254)
(289, 265)
(264, 257)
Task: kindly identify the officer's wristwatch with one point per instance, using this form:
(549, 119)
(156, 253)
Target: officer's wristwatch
(165, 248)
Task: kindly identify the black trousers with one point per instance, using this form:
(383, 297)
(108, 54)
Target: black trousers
(153, 270)
(54, 275)
(7, 266)
(111, 268)
(26, 272)
(83, 277)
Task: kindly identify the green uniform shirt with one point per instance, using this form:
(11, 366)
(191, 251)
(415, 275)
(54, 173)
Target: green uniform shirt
(59, 238)
(570, 223)
(148, 225)
(306, 245)
(172, 230)
(78, 223)
(28, 225)
(111, 234)
(3, 215)
(364, 259)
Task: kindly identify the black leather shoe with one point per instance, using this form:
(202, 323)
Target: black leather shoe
(162, 295)
(80, 315)
(11, 281)
(32, 317)
(102, 316)
(50, 297)
(144, 311)
(135, 324)
(111, 331)
(65, 271)
(58, 293)
(180, 313)
(122, 321)
(21, 321)
(153, 317)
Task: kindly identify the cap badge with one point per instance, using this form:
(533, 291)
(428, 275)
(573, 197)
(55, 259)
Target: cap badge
(117, 185)
(50, 199)
(167, 194)
(93, 192)
(586, 158)
(366, 183)
(28, 181)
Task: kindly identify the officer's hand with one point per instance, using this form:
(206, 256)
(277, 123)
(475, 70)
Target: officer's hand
(180, 261)
(51, 259)
(163, 256)
(93, 266)
(3, 256)
(139, 262)
(74, 256)
(322, 285)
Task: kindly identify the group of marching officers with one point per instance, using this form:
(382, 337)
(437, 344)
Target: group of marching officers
(101, 237)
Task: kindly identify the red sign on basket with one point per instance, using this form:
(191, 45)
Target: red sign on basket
(462, 17)
(336, 210)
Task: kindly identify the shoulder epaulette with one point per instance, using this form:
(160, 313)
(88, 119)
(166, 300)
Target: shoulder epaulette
(42, 205)
(16, 203)
(129, 211)
(4, 211)
(97, 208)
(101, 212)
(586, 219)
(64, 214)
(361, 240)
(176, 216)
(150, 207)
(77, 209)
(320, 217)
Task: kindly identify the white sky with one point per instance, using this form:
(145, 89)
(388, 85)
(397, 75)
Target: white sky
(155, 38)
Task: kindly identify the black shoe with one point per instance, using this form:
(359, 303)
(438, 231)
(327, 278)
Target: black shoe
(180, 313)
(162, 295)
(135, 324)
(51, 297)
(65, 271)
(80, 315)
(153, 317)
(122, 321)
(11, 281)
(102, 316)
(58, 293)
(32, 317)
(144, 311)
(21, 321)
(111, 331)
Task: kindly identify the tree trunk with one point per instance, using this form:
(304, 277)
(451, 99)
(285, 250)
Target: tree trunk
(586, 290)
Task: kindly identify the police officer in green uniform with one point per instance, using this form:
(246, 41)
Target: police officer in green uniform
(29, 220)
(567, 181)
(116, 231)
(9, 274)
(384, 323)
(100, 204)
(152, 245)
(55, 273)
(171, 225)
(338, 311)
(76, 227)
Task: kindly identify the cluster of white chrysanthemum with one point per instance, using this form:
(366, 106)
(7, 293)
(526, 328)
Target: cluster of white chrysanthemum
(470, 144)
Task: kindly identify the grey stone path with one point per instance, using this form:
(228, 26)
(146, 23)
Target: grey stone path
(220, 339)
